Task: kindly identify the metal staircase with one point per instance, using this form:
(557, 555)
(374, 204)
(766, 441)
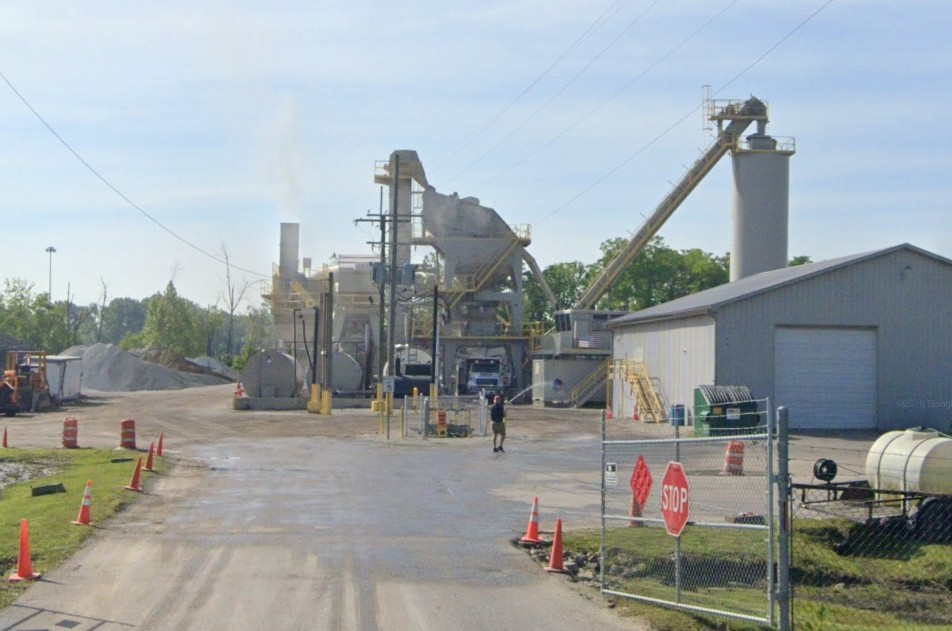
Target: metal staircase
(645, 390)
(591, 384)
(480, 278)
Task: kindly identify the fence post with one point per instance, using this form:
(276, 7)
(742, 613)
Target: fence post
(601, 542)
(406, 415)
(784, 595)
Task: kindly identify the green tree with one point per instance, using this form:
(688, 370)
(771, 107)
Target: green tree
(567, 281)
(802, 259)
(123, 317)
(259, 333)
(659, 274)
(31, 318)
(170, 324)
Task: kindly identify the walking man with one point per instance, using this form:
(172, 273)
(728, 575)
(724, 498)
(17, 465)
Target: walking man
(497, 413)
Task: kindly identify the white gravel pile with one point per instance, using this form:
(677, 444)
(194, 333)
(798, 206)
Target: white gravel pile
(108, 368)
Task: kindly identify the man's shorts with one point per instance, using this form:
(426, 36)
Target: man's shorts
(499, 428)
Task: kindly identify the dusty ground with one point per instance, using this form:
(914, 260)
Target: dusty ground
(287, 520)
(277, 519)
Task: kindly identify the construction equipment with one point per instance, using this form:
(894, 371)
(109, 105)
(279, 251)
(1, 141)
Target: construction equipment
(24, 387)
(9, 401)
(478, 374)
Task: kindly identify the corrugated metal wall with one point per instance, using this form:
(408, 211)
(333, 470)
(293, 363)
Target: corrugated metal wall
(680, 353)
(906, 296)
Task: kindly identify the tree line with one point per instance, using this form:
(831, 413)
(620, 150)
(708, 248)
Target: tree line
(657, 274)
(167, 321)
(163, 320)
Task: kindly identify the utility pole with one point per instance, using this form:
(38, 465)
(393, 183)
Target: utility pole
(328, 373)
(383, 266)
(381, 285)
(392, 276)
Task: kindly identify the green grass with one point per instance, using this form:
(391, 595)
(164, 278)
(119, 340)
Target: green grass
(902, 585)
(52, 537)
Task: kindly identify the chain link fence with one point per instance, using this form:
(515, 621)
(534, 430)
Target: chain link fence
(870, 559)
(450, 416)
(719, 496)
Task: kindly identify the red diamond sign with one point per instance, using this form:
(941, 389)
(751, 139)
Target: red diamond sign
(641, 482)
(674, 499)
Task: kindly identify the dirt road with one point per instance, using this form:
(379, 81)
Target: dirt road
(285, 520)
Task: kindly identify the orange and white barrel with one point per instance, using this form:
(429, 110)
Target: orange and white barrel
(734, 458)
(70, 433)
(127, 437)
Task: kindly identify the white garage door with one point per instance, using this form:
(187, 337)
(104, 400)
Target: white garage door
(826, 377)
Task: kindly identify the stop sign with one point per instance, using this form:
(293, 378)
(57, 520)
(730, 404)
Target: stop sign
(674, 499)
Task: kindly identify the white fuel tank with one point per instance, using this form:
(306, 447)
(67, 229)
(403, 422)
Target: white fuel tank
(917, 459)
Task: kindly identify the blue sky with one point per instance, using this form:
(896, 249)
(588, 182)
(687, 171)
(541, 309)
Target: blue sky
(221, 120)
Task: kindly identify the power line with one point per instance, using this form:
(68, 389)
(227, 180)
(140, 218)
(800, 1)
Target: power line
(558, 92)
(692, 112)
(115, 190)
(612, 9)
(617, 93)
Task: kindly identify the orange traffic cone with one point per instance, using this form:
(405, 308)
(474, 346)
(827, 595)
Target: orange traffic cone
(239, 391)
(608, 414)
(158, 450)
(134, 484)
(83, 518)
(24, 565)
(532, 530)
(555, 557)
(4, 437)
(148, 463)
(634, 414)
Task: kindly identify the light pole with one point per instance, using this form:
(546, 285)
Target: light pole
(50, 249)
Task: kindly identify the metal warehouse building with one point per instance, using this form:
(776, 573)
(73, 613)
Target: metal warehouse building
(859, 342)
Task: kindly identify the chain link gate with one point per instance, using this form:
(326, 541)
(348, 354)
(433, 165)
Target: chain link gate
(718, 492)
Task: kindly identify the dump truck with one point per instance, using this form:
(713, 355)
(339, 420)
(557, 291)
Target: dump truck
(482, 374)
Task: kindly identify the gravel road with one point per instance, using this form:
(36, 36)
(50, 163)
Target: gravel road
(286, 520)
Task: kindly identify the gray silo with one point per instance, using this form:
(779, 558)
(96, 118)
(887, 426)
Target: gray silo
(761, 192)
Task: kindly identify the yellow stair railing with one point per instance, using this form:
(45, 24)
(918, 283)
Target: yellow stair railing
(483, 275)
(648, 402)
(587, 386)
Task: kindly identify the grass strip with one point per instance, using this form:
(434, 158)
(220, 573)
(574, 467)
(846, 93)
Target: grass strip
(53, 538)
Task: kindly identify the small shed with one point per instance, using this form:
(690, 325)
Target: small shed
(64, 374)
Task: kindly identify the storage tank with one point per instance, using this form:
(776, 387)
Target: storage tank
(269, 374)
(761, 192)
(347, 374)
(917, 460)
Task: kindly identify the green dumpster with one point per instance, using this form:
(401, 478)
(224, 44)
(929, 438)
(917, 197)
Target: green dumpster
(725, 411)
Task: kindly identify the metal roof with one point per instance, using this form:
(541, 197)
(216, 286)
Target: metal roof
(704, 302)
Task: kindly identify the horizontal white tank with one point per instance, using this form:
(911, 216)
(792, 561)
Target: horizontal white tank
(916, 460)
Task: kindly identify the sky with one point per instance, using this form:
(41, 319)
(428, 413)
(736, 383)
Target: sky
(143, 140)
